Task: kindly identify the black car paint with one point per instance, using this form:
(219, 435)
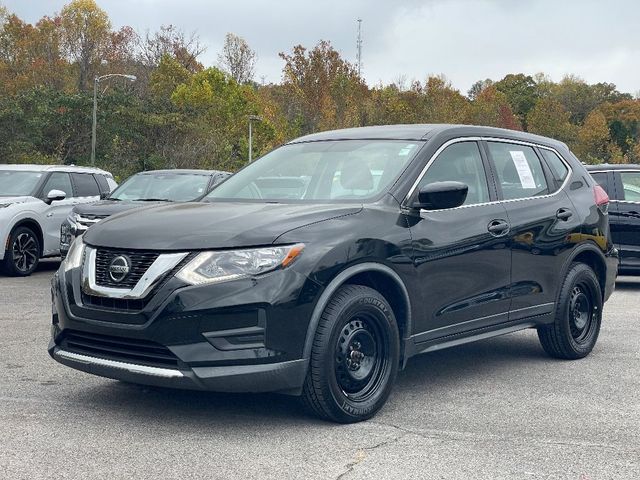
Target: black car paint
(624, 216)
(448, 280)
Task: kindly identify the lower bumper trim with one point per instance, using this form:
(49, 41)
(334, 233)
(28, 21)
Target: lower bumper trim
(130, 367)
(284, 377)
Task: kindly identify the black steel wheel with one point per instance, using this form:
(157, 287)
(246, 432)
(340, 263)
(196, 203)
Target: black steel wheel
(578, 316)
(23, 252)
(355, 356)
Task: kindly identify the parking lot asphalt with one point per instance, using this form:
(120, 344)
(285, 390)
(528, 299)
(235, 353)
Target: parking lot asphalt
(498, 409)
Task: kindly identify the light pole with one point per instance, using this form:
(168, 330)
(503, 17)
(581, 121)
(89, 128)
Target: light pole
(252, 118)
(96, 81)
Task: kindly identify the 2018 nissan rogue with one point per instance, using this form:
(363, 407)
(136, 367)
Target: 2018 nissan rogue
(322, 267)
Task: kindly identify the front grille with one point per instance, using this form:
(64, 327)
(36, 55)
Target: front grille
(128, 350)
(108, 303)
(140, 262)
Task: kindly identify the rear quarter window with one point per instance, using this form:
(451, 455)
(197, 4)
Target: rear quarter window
(558, 169)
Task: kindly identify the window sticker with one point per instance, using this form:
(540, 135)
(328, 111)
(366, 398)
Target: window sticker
(524, 171)
(406, 150)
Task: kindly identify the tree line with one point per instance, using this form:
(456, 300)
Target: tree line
(179, 113)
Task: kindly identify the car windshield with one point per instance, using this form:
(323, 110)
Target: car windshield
(175, 187)
(18, 182)
(341, 170)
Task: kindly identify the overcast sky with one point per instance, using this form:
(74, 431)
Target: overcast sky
(466, 40)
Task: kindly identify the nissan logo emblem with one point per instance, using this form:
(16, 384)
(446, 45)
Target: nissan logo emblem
(119, 268)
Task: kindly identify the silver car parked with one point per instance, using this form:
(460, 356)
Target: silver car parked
(34, 201)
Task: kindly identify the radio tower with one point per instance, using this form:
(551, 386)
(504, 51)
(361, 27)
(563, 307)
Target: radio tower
(359, 48)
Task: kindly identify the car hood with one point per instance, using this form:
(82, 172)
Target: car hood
(106, 208)
(21, 199)
(197, 226)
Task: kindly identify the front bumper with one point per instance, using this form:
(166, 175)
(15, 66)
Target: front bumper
(284, 377)
(241, 336)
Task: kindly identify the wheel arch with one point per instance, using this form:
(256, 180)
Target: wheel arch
(31, 224)
(589, 255)
(377, 276)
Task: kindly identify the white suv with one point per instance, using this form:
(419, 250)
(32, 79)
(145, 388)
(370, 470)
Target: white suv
(34, 201)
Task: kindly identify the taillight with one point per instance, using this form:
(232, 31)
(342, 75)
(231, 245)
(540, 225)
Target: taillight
(601, 198)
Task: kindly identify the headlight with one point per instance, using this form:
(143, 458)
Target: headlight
(5, 205)
(74, 257)
(222, 266)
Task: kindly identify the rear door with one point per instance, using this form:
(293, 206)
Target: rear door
(542, 220)
(625, 218)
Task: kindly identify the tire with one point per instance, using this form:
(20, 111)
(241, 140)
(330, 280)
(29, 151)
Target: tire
(23, 253)
(577, 318)
(354, 358)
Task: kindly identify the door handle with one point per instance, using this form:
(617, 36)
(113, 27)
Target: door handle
(498, 228)
(564, 214)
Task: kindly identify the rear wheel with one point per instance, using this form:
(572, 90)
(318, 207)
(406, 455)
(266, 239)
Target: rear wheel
(354, 358)
(578, 316)
(23, 253)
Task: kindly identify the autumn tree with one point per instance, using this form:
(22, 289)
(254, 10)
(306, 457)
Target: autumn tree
(593, 144)
(492, 108)
(579, 98)
(237, 59)
(478, 87)
(549, 118)
(85, 36)
(170, 40)
(521, 92)
(623, 119)
(314, 80)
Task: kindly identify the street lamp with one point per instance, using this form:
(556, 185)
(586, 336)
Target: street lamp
(252, 118)
(96, 81)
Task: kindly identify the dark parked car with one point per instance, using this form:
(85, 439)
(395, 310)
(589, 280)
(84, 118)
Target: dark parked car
(154, 186)
(622, 183)
(405, 239)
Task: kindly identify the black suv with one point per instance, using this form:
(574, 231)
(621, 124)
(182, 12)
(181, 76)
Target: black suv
(622, 183)
(152, 186)
(395, 241)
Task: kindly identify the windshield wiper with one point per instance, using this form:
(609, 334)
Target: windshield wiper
(151, 200)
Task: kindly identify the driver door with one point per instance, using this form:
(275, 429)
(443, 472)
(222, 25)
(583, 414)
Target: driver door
(55, 213)
(463, 264)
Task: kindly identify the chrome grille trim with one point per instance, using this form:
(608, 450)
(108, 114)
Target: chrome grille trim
(161, 266)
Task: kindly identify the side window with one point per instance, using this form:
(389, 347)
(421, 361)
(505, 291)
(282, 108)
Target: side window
(102, 184)
(519, 170)
(602, 179)
(631, 186)
(558, 168)
(58, 181)
(460, 162)
(85, 184)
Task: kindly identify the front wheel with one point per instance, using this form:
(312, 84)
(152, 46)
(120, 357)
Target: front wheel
(23, 253)
(354, 358)
(578, 316)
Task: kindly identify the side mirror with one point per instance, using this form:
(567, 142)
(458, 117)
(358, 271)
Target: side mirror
(441, 195)
(104, 195)
(54, 196)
